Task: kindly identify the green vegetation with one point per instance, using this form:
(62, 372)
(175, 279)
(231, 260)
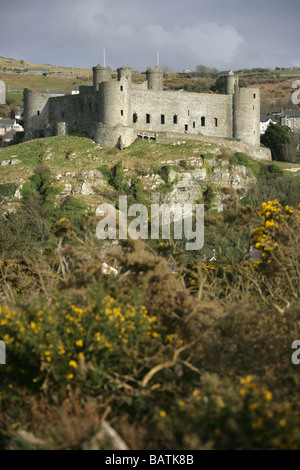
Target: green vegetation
(193, 357)
(278, 139)
(14, 99)
(240, 158)
(144, 349)
(7, 190)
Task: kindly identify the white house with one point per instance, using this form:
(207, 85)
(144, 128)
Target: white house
(7, 125)
(265, 121)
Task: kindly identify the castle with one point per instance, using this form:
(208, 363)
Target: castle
(115, 112)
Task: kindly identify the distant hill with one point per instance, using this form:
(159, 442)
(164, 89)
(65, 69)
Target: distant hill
(275, 85)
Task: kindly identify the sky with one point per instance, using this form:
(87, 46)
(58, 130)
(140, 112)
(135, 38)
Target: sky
(217, 33)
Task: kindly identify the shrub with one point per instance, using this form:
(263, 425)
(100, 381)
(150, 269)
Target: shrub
(278, 139)
(105, 172)
(72, 209)
(7, 190)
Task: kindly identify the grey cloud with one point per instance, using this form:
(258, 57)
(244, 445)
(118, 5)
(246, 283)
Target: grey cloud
(235, 33)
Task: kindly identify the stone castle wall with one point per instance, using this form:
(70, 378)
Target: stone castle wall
(114, 112)
(183, 112)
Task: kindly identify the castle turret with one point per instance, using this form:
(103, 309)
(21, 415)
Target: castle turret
(100, 74)
(125, 72)
(231, 82)
(155, 79)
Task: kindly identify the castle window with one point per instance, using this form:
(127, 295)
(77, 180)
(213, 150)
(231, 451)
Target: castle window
(216, 122)
(194, 125)
(162, 118)
(254, 96)
(175, 119)
(134, 117)
(38, 113)
(122, 112)
(148, 118)
(203, 121)
(121, 88)
(186, 128)
(188, 113)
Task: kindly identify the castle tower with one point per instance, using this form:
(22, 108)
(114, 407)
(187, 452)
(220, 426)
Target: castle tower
(100, 74)
(246, 115)
(155, 79)
(36, 116)
(125, 72)
(115, 127)
(2, 93)
(231, 82)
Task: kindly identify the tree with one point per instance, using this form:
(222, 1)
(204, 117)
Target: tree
(203, 71)
(278, 139)
(219, 86)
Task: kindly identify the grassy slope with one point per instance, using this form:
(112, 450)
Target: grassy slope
(77, 154)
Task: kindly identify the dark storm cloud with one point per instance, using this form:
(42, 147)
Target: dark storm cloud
(221, 33)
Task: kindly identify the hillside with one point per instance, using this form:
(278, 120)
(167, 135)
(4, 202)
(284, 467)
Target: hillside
(75, 162)
(135, 350)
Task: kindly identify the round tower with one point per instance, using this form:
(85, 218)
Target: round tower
(100, 74)
(125, 72)
(231, 81)
(35, 111)
(2, 93)
(115, 103)
(155, 78)
(30, 108)
(246, 115)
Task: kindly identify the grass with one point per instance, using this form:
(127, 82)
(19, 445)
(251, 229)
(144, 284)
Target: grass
(16, 81)
(77, 154)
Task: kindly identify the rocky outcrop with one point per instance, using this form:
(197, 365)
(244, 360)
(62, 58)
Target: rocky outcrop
(188, 186)
(10, 162)
(91, 181)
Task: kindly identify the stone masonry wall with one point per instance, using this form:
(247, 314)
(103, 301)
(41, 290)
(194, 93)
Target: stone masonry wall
(196, 113)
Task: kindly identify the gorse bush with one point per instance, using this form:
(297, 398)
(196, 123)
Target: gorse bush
(194, 357)
(85, 345)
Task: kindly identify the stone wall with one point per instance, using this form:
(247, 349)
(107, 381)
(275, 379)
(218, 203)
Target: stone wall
(183, 112)
(76, 110)
(253, 151)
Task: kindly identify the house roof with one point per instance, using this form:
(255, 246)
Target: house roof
(266, 118)
(291, 113)
(9, 135)
(54, 92)
(6, 122)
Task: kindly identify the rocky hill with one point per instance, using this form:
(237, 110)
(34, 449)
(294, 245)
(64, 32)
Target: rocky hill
(182, 172)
